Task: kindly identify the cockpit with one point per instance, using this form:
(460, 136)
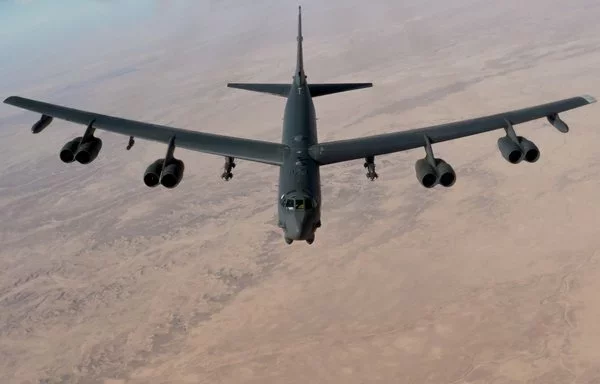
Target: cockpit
(299, 204)
(298, 215)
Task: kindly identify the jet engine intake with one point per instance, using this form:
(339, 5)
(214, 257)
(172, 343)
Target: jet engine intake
(67, 153)
(152, 174)
(88, 150)
(447, 176)
(172, 174)
(510, 150)
(531, 151)
(426, 173)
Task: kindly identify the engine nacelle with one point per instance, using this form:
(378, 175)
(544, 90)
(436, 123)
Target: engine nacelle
(88, 151)
(172, 174)
(41, 124)
(426, 173)
(510, 150)
(531, 151)
(67, 153)
(152, 174)
(447, 176)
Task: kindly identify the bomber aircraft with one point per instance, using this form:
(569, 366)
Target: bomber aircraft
(299, 156)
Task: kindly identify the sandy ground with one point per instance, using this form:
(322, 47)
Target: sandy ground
(495, 280)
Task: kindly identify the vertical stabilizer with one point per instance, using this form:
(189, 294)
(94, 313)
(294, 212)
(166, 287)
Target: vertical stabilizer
(299, 76)
(283, 90)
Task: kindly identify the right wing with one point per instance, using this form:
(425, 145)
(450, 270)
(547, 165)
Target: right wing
(345, 150)
(247, 149)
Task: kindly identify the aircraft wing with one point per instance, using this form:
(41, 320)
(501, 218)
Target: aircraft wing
(253, 150)
(344, 150)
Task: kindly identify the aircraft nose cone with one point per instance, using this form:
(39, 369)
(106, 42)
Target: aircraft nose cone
(295, 227)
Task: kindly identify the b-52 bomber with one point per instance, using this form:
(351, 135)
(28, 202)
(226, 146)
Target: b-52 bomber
(300, 155)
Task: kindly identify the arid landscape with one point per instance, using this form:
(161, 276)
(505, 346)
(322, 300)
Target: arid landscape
(495, 280)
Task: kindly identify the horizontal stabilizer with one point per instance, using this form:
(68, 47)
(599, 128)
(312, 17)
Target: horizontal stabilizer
(273, 89)
(317, 90)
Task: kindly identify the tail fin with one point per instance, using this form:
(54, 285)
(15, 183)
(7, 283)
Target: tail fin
(300, 76)
(318, 89)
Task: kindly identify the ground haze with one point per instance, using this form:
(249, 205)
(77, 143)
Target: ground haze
(495, 280)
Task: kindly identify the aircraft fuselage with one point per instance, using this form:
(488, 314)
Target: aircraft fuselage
(299, 203)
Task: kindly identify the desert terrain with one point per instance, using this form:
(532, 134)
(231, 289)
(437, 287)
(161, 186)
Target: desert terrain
(495, 280)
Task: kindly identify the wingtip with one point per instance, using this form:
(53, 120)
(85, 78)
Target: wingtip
(10, 99)
(589, 98)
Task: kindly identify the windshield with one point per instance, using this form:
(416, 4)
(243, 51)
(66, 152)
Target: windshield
(299, 204)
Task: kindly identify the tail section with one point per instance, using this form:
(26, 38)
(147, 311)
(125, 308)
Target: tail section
(316, 90)
(273, 89)
(299, 76)
(280, 89)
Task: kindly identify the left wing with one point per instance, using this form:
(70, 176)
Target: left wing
(364, 147)
(253, 150)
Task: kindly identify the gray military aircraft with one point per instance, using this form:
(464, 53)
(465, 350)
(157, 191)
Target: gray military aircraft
(300, 155)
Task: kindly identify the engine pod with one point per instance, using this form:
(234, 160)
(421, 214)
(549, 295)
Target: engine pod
(89, 150)
(447, 176)
(531, 151)
(67, 153)
(152, 174)
(426, 173)
(510, 150)
(172, 174)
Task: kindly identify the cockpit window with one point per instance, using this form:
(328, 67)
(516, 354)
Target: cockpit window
(299, 204)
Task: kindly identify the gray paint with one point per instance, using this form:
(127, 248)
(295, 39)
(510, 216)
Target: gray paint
(299, 155)
(299, 174)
